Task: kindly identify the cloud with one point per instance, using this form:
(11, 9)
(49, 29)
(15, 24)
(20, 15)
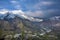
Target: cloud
(16, 4)
(23, 0)
(18, 12)
(39, 5)
(52, 11)
(43, 13)
(3, 11)
(38, 13)
(42, 5)
(18, 7)
(38, 8)
(46, 3)
(35, 13)
(29, 13)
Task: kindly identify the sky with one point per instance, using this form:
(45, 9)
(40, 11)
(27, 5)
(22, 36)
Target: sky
(35, 8)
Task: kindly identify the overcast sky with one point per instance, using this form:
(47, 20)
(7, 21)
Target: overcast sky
(35, 8)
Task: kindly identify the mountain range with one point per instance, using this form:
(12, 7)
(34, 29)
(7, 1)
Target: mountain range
(14, 21)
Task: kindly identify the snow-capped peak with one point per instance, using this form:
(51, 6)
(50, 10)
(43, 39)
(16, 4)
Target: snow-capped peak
(19, 13)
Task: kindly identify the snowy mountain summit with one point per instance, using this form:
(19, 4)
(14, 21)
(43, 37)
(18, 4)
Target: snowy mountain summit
(18, 13)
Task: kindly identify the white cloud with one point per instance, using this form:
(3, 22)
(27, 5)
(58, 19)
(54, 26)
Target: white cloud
(16, 4)
(41, 13)
(13, 2)
(17, 12)
(20, 12)
(46, 3)
(35, 13)
(43, 3)
(29, 13)
(3, 11)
